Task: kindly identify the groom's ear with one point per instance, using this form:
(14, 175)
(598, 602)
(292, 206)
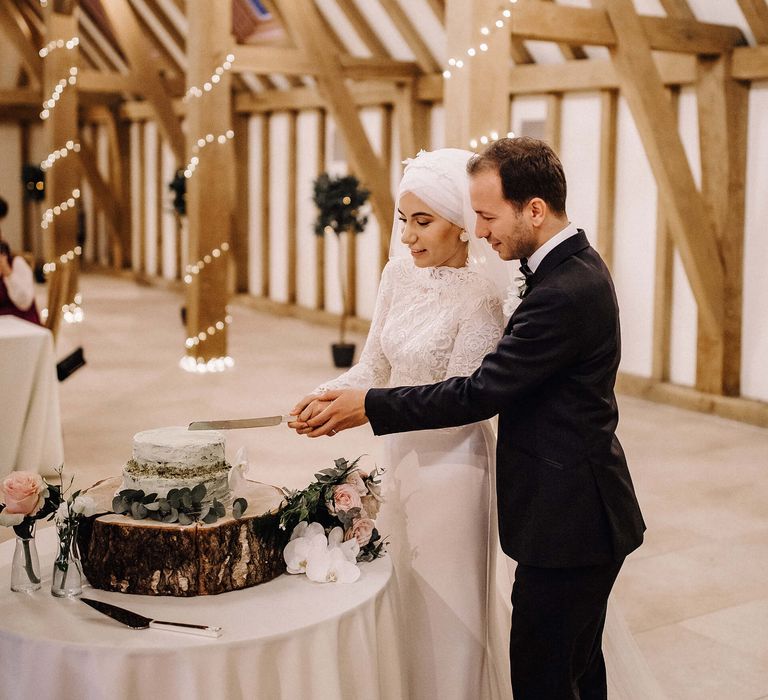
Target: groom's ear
(537, 210)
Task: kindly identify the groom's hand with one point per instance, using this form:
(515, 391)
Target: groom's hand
(346, 410)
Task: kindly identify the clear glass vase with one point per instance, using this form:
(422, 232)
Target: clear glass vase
(25, 568)
(67, 578)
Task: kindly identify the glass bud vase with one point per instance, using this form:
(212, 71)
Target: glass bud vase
(67, 578)
(25, 568)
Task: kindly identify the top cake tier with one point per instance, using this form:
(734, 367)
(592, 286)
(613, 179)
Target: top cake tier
(178, 447)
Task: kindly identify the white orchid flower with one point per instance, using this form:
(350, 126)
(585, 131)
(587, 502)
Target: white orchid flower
(349, 549)
(299, 551)
(84, 505)
(335, 538)
(331, 565)
(305, 529)
(236, 477)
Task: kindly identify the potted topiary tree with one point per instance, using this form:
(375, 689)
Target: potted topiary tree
(338, 201)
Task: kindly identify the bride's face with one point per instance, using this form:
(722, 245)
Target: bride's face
(432, 240)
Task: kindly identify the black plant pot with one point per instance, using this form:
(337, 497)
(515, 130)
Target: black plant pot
(343, 354)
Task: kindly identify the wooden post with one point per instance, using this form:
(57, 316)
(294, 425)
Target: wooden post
(607, 178)
(210, 185)
(474, 104)
(63, 179)
(722, 108)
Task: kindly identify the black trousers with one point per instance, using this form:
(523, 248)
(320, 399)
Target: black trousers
(558, 617)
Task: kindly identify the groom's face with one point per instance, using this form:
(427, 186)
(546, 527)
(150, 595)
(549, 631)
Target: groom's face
(508, 231)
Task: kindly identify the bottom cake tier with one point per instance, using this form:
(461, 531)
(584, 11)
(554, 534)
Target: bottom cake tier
(153, 558)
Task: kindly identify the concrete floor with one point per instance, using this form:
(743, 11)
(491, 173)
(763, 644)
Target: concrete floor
(695, 596)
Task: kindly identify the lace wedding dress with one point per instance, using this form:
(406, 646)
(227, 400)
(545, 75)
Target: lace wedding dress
(439, 512)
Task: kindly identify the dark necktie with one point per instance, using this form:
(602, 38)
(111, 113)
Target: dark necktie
(527, 274)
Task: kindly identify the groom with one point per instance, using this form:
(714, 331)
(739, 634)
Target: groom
(567, 508)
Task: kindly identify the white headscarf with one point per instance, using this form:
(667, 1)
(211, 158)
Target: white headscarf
(439, 179)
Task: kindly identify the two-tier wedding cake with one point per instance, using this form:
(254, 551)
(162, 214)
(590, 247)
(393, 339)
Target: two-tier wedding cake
(174, 457)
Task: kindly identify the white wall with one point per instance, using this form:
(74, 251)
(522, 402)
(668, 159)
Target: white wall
(136, 175)
(151, 136)
(754, 342)
(168, 226)
(307, 166)
(254, 204)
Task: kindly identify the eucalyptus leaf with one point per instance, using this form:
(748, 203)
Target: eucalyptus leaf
(119, 505)
(239, 506)
(198, 493)
(186, 498)
(149, 498)
(174, 498)
(184, 519)
(210, 517)
(154, 506)
(165, 507)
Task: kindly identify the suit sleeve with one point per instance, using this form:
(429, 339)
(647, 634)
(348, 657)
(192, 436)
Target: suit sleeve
(545, 337)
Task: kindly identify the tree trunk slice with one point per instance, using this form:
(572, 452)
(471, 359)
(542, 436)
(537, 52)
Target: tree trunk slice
(152, 558)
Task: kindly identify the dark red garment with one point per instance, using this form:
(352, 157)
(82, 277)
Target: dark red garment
(8, 308)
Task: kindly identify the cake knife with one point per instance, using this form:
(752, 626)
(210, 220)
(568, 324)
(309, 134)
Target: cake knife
(139, 622)
(263, 422)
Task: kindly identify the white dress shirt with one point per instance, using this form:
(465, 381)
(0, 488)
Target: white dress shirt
(535, 260)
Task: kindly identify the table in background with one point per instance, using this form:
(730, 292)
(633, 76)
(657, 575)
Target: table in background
(30, 421)
(288, 639)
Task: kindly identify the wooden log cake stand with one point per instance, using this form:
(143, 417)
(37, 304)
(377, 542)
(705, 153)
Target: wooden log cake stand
(154, 558)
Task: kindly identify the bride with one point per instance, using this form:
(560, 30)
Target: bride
(437, 315)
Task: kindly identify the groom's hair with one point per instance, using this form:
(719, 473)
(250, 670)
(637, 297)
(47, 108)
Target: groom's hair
(528, 168)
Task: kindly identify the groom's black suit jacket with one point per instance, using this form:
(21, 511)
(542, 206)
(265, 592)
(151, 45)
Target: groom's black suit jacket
(565, 496)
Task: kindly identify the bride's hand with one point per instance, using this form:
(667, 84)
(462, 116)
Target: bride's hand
(307, 408)
(342, 409)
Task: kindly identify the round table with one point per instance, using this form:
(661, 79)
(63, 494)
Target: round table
(288, 639)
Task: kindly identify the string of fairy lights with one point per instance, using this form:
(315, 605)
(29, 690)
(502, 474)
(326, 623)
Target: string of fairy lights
(202, 142)
(71, 312)
(457, 64)
(213, 80)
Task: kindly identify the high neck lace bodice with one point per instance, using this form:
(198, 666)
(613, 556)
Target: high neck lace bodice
(429, 324)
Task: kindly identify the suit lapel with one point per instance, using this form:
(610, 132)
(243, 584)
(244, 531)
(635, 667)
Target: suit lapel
(570, 246)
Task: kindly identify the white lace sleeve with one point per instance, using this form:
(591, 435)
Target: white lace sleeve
(372, 369)
(479, 333)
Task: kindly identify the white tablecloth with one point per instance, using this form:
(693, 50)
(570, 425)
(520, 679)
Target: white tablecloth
(289, 639)
(30, 423)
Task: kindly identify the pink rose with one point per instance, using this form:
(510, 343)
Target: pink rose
(23, 493)
(345, 497)
(361, 530)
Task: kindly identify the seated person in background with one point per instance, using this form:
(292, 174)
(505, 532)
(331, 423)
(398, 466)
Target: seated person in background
(17, 286)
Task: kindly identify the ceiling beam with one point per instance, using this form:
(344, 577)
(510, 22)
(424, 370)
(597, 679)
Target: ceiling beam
(106, 82)
(305, 26)
(138, 50)
(750, 63)
(571, 52)
(692, 229)
(412, 37)
(360, 24)
(20, 97)
(542, 21)
(678, 8)
(15, 28)
(756, 14)
(378, 68)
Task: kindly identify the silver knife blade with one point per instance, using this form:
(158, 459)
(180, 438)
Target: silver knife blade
(263, 422)
(140, 622)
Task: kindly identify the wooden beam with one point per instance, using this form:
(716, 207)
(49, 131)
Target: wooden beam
(740, 409)
(606, 205)
(571, 52)
(138, 51)
(386, 155)
(412, 37)
(105, 197)
(363, 95)
(677, 8)
(593, 74)
(750, 63)
(98, 82)
(438, 7)
(241, 251)
(210, 189)
(20, 97)
(722, 110)
(553, 124)
(412, 122)
(542, 21)
(363, 28)
(756, 14)
(663, 282)
(375, 68)
(305, 25)
(474, 106)
(692, 229)
(15, 28)
(271, 59)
